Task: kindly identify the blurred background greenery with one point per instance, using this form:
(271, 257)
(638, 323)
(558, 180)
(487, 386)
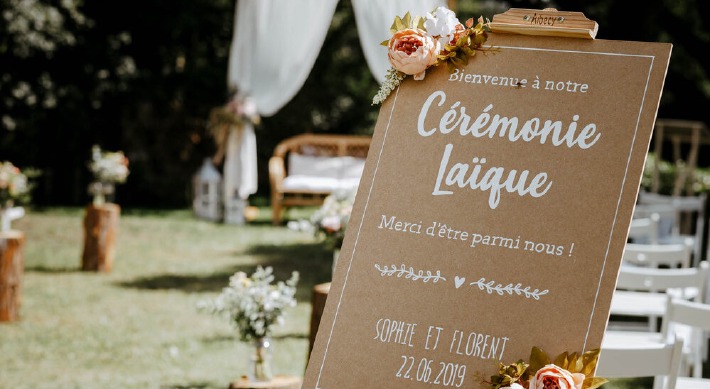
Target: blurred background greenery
(141, 76)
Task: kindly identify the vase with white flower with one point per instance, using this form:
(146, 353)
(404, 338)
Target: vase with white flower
(330, 221)
(108, 168)
(254, 305)
(14, 190)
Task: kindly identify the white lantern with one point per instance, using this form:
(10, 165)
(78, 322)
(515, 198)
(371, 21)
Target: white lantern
(207, 189)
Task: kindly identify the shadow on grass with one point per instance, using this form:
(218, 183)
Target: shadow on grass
(312, 260)
(52, 270)
(235, 337)
(199, 385)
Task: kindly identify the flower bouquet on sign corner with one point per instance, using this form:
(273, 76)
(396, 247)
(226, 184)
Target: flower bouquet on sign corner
(254, 305)
(108, 168)
(417, 43)
(567, 371)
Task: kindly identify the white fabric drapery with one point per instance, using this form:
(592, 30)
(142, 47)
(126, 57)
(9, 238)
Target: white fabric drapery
(374, 18)
(275, 45)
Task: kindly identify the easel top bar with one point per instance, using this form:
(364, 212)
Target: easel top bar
(547, 22)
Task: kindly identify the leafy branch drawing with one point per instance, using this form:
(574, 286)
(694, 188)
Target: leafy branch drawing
(409, 273)
(510, 289)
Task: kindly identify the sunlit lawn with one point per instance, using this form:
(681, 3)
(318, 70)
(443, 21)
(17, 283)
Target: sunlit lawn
(138, 326)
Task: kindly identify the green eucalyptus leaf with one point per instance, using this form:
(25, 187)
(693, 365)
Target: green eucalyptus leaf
(561, 360)
(538, 359)
(407, 21)
(399, 25)
(420, 23)
(594, 382)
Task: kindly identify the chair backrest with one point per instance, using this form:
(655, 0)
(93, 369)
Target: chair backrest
(694, 315)
(688, 206)
(690, 313)
(666, 215)
(692, 279)
(655, 255)
(659, 360)
(644, 229)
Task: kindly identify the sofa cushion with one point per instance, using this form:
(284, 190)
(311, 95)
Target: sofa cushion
(317, 166)
(308, 173)
(351, 167)
(309, 183)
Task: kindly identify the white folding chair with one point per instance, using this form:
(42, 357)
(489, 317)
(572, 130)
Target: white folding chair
(686, 208)
(657, 255)
(658, 360)
(696, 316)
(683, 319)
(644, 229)
(642, 292)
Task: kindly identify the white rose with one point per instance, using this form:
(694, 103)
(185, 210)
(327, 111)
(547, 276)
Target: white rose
(442, 23)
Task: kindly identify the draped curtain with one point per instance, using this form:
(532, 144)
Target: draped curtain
(374, 18)
(275, 45)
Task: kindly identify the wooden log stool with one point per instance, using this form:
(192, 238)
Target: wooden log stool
(100, 227)
(11, 269)
(320, 294)
(278, 382)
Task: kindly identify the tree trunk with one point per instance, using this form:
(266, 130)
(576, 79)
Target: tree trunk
(100, 227)
(11, 269)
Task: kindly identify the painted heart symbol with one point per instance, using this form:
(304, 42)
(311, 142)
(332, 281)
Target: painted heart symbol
(458, 281)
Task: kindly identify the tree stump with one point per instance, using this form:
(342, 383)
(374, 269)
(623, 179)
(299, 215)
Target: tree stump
(100, 228)
(279, 382)
(320, 295)
(11, 269)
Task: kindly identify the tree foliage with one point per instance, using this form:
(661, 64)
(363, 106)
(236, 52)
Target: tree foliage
(142, 76)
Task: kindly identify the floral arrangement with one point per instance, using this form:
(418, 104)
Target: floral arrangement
(238, 111)
(252, 303)
(421, 42)
(567, 371)
(108, 166)
(331, 219)
(14, 186)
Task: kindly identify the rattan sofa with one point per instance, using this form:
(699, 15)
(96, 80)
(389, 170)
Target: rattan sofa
(305, 168)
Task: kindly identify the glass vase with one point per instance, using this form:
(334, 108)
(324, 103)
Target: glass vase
(261, 360)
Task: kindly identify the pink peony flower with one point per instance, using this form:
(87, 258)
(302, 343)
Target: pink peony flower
(554, 377)
(411, 51)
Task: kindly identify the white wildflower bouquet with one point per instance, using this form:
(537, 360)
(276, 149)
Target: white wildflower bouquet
(108, 166)
(253, 303)
(331, 219)
(14, 186)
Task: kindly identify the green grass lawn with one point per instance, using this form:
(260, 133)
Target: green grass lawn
(138, 326)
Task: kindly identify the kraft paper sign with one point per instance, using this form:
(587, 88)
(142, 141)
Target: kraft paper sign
(492, 214)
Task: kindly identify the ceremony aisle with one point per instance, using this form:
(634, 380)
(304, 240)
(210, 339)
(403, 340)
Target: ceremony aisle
(138, 326)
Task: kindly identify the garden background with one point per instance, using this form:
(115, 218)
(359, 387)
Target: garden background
(142, 76)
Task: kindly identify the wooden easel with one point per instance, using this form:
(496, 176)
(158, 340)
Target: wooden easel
(546, 22)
